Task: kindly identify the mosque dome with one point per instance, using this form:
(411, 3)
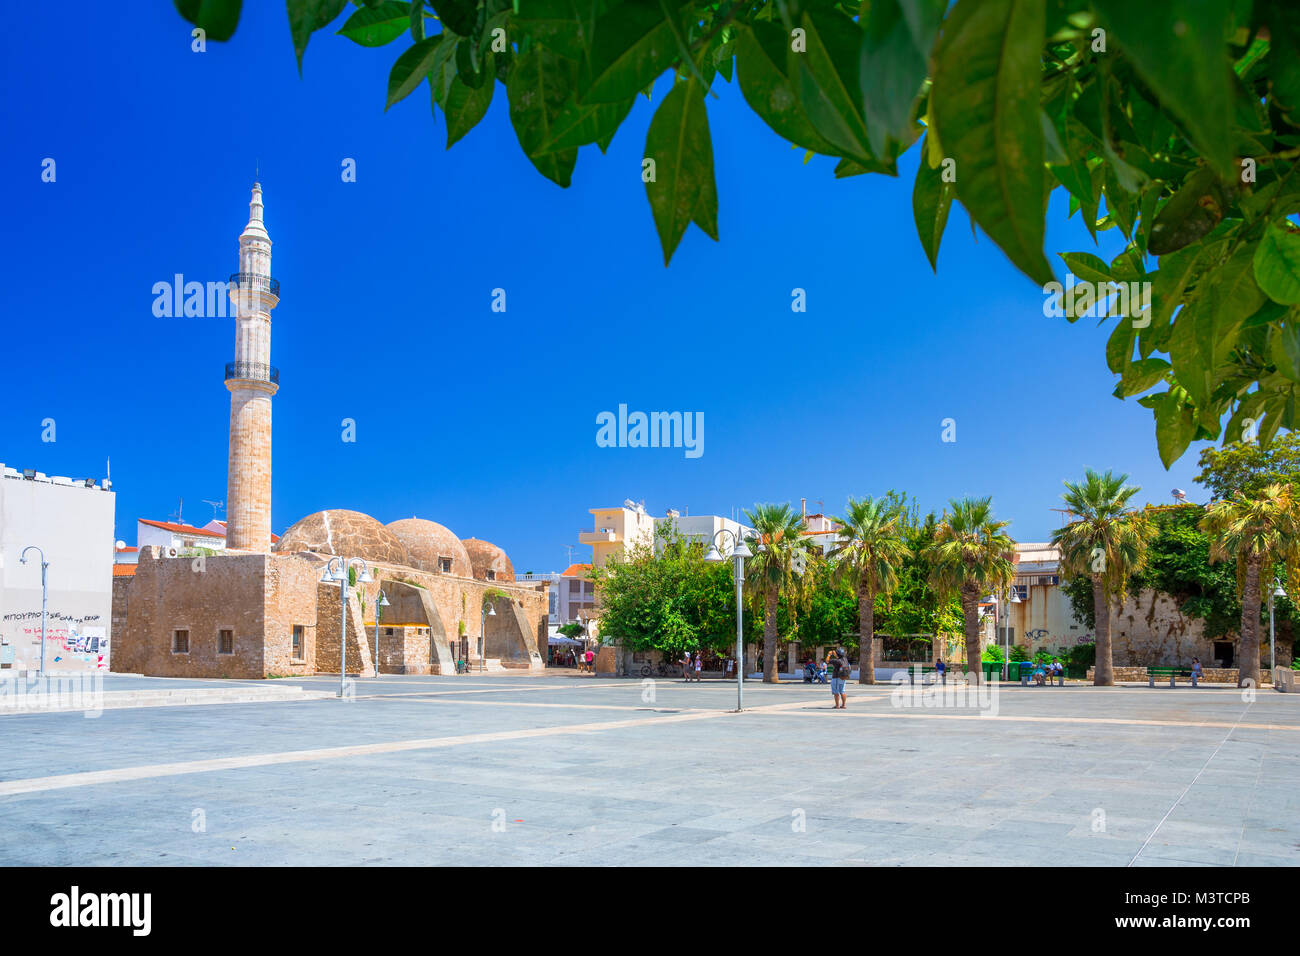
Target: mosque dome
(430, 545)
(349, 534)
(487, 557)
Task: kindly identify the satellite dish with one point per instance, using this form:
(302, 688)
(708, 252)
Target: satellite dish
(1180, 494)
(121, 545)
(629, 504)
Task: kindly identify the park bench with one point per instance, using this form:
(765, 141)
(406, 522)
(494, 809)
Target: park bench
(1171, 672)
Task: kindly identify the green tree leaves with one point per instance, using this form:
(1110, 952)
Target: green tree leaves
(827, 80)
(308, 16)
(682, 190)
(412, 67)
(1177, 49)
(984, 105)
(931, 199)
(1182, 117)
(1277, 263)
(538, 91)
(633, 44)
(893, 65)
(761, 65)
(218, 18)
(465, 106)
(378, 24)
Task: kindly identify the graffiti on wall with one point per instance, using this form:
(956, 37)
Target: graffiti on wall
(70, 640)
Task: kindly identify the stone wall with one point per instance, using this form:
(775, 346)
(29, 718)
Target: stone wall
(263, 597)
(291, 596)
(1211, 675)
(121, 660)
(201, 596)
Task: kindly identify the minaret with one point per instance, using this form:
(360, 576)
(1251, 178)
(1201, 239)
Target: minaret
(252, 381)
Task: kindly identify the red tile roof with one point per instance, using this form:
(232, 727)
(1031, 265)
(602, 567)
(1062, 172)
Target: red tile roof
(575, 570)
(180, 528)
(124, 570)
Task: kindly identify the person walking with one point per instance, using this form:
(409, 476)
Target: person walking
(699, 666)
(1196, 670)
(941, 668)
(686, 666)
(839, 667)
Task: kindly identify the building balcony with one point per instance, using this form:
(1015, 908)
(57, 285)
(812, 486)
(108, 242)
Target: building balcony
(598, 536)
(252, 282)
(252, 372)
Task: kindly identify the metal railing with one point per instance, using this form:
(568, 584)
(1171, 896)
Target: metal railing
(252, 282)
(253, 371)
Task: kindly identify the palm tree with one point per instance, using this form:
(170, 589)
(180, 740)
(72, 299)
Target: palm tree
(1106, 542)
(779, 547)
(970, 556)
(870, 550)
(1259, 531)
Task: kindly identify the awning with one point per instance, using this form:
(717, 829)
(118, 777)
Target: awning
(560, 639)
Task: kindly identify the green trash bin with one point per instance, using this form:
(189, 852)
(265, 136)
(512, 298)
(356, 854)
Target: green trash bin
(1013, 671)
(991, 669)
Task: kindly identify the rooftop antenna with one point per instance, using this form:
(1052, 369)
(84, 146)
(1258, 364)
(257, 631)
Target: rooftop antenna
(569, 549)
(215, 506)
(178, 512)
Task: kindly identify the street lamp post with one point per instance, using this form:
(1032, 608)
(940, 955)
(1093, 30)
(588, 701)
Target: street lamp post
(22, 558)
(739, 553)
(381, 602)
(1277, 592)
(1011, 598)
(488, 610)
(336, 571)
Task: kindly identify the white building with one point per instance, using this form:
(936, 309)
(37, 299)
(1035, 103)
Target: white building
(705, 529)
(1044, 618)
(170, 535)
(71, 521)
(616, 530)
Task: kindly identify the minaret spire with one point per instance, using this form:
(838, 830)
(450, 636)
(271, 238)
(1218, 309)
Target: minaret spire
(252, 380)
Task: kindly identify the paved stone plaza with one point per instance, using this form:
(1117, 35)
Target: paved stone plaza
(561, 770)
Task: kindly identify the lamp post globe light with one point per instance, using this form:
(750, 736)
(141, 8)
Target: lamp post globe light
(739, 553)
(380, 603)
(1277, 592)
(336, 572)
(488, 610)
(45, 565)
(1010, 596)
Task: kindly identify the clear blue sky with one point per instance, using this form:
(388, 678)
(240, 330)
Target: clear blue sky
(484, 421)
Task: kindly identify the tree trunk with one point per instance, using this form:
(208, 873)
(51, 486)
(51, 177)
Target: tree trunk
(866, 635)
(1103, 674)
(1248, 646)
(970, 609)
(769, 639)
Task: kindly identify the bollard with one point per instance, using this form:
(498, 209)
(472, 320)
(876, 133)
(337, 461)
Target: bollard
(1151, 679)
(1171, 681)
(1024, 678)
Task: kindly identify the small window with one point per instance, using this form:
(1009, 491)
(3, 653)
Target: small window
(491, 575)
(180, 642)
(225, 642)
(388, 632)
(444, 565)
(297, 642)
